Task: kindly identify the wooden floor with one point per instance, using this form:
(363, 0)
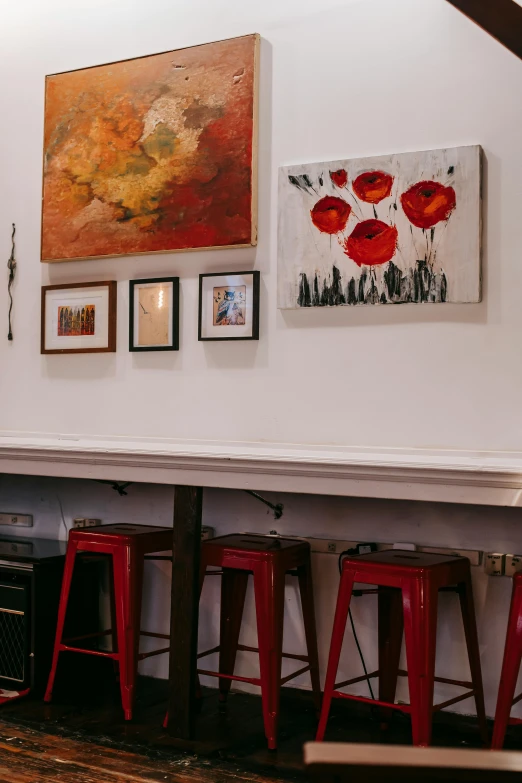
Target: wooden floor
(82, 736)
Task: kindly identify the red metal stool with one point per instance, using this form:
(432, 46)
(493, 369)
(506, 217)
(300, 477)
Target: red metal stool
(128, 545)
(268, 560)
(416, 578)
(510, 667)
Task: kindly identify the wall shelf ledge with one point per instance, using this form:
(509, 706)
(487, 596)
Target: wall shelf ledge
(488, 477)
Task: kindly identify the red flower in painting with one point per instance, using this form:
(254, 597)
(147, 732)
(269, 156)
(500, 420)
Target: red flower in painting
(373, 186)
(339, 178)
(330, 214)
(372, 242)
(427, 203)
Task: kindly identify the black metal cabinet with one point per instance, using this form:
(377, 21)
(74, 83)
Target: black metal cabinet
(30, 581)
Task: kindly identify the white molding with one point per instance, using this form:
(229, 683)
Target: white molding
(491, 478)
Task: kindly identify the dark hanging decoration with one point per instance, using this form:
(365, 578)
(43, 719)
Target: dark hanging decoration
(11, 265)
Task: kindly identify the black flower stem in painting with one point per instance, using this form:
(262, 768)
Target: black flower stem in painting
(11, 265)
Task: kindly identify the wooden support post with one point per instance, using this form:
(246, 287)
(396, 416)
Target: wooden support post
(500, 18)
(188, 502)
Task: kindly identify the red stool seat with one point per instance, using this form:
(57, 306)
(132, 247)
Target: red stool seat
(128, 545)
(510, 667)
(269, 560)
(411, 582)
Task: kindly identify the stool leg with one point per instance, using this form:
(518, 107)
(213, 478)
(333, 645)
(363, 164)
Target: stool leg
(114, 630)
(233, 591)
(467, 606)
(62, 611)
(124, 623)
(304, 574)
(341, 614)
(269, 591)
(390, 630)
(510, 669)
(420, 631)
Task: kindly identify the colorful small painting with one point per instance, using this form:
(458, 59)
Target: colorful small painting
(229, 305)
(154, 154)
(387, 230)
(76, 321)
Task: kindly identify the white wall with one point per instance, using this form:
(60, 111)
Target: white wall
(491, 529)
(339, 78)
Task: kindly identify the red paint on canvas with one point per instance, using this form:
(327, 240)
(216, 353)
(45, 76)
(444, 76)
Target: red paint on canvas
(372, 242)
(372, 186)
(427, 203)
(152, 154)
(339, 177)
(330, 214)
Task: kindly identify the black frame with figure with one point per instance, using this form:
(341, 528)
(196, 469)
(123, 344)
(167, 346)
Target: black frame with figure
(174, 346)
(256, 278)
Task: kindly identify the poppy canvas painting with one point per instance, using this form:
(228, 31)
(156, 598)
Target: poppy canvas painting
(392, 229)
(154, 154)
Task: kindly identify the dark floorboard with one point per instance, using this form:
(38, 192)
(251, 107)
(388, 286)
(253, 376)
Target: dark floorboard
(89, 710)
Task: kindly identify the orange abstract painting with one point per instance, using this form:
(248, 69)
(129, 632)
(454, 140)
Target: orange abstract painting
(151, 155)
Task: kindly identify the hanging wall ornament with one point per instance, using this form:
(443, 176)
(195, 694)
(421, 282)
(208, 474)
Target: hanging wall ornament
(11, 265)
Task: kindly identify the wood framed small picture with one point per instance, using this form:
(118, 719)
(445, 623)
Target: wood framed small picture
(229, 306)
(79, 318)
(154, 314)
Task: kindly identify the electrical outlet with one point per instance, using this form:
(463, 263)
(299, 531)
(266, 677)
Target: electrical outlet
(207, 532)
(332, 546)
(494, 563)
(85, 522)
(19, 520)
(513, 563)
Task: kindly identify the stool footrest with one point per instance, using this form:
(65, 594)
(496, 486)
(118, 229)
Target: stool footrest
(445, 680)
(374, 702)
(516, 699)
(99, 653)
(142, 656)
(252, 680)
(467, 695)
(245, 648)
(295, 674)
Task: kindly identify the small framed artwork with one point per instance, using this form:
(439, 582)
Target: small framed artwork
(79, 318)
(154, 314)
(229, 306)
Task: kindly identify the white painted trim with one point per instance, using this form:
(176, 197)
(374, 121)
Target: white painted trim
(491, 478)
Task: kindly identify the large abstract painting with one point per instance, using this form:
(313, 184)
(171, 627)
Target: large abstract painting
(390, 229)
(152, 154)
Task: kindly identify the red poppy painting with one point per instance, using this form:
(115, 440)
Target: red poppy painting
(154, 154)
(330, 214)
(393, 229)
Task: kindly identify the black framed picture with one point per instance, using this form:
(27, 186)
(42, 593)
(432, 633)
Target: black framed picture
(154, 314)
(229, 306)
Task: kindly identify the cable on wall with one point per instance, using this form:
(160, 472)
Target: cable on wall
(117, 486)
(359, 650)
(64, 523)
(277, 508)
(11, 265)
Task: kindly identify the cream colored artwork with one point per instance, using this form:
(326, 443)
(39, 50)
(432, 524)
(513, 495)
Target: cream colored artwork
(154, 313)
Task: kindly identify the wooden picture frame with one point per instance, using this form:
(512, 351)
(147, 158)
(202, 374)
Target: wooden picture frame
(238, 321)
(79, 329)
(170, 324)
(213, 81)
